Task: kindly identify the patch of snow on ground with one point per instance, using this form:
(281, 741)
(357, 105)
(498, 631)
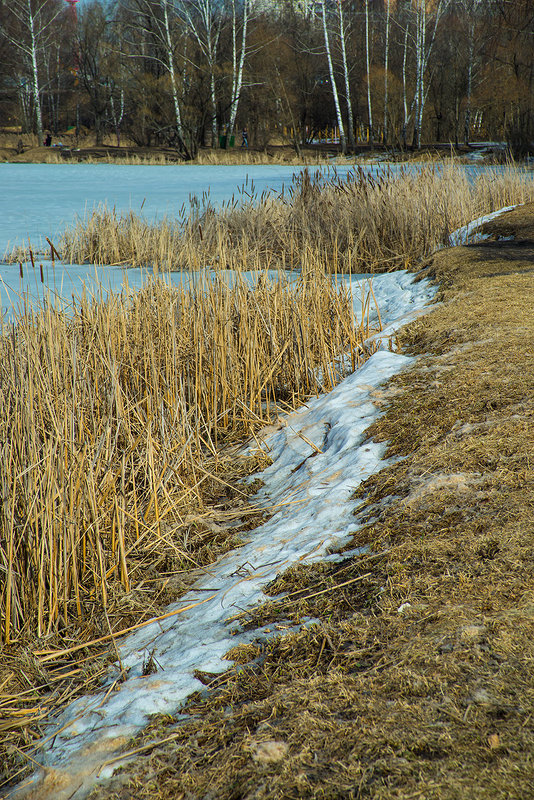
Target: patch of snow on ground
(468, 233)
(311, 493)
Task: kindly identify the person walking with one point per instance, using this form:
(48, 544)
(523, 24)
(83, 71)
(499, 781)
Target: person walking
(244, 138)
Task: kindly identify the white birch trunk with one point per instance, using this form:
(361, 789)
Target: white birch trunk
(368, 64)
(406, 118)
(423, 53)
(339, 117)
(420, 67)
(386, 66)
(238, 66)
(170, 66)
(35, 77)
(342, 34)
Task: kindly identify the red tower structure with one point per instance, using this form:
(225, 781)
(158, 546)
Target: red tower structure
(73, 13)
(72, 4)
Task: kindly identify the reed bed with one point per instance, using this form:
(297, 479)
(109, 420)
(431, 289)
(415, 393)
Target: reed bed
(117, 414)
(357, 223)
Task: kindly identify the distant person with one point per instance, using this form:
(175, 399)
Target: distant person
(48, 140)
(20, 147)
(244, 138)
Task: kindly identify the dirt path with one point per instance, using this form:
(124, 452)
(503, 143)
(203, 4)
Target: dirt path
(418, 680)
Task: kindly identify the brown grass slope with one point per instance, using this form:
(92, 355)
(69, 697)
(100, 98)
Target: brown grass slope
(436, 702)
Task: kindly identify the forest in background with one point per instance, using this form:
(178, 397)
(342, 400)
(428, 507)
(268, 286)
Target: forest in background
(183, 73)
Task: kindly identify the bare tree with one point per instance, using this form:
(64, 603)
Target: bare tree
(368, 65)
(335, 95)
(469, 9)
(204, 20)
(239, 51)
(426, 25)
(159, 21)
(31, 26)
(386, 70)
(343, 46)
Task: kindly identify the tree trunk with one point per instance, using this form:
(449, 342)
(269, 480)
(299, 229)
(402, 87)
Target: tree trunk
(386, 66)
(404, 89)
(35, 77)
(172, 71)
(368, 64)
(237, 65)
(342, 137)
(350, 119)
(471, 55)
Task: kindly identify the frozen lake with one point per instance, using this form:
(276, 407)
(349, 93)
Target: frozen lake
(40, 200)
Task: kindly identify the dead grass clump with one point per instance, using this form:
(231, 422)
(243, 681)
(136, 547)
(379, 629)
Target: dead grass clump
(358, 223)
(113, 419)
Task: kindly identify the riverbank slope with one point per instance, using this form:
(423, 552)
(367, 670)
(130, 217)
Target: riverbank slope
(417, 680)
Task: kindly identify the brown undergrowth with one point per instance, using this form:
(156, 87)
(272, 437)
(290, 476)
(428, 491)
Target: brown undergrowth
(417, 680)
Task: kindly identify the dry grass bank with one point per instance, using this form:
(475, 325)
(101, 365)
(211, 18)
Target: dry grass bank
(358, 223)
(417, 682)
(119, 472)
(115, 416)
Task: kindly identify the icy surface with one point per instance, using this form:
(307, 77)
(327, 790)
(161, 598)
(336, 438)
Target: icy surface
(469, 234)
(40, 200)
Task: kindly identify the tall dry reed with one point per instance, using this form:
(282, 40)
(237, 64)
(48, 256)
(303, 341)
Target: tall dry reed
(113, 420)
(355, 223)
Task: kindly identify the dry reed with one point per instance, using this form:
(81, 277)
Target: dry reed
(356, 223)
(115, 415)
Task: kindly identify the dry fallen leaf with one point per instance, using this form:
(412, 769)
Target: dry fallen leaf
(494, 741)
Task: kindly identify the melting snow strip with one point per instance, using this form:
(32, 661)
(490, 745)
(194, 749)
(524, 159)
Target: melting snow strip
(312, 487)
(468, 233)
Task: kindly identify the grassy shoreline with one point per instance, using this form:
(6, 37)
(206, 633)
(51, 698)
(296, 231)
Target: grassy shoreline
(128, 417)
(417, 681)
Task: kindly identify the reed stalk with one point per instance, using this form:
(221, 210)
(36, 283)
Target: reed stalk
(116, 416)
(357, 223)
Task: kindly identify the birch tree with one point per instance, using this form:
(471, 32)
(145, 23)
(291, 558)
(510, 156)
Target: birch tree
(368, 66)
(426, 26)
(31, 26)
(469, 9)
(348, 99)
(204, 18)
(159, 20)
(386, 68)
(239, 50)
(335, 95)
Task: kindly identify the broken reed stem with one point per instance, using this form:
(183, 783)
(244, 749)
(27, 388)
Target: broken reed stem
(116, 416)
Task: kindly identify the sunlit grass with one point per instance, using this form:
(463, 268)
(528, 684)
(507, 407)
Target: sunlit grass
(357, 223)
(116, 419)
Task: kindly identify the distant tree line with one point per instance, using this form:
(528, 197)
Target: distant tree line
(185, 72)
